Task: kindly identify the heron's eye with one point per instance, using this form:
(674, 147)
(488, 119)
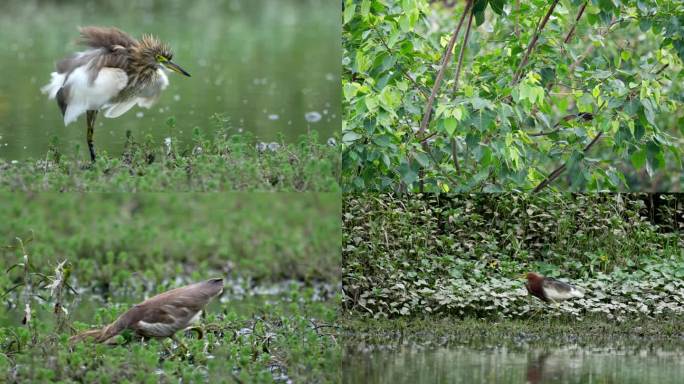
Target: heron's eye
(161, 59)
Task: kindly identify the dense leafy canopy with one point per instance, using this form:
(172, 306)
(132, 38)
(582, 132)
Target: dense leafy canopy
(593, 92)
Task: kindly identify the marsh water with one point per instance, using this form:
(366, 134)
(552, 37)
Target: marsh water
(269, 67)
(567, 365)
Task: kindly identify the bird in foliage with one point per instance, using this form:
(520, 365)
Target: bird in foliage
(160, 316)
(114, 73)
(548, 289)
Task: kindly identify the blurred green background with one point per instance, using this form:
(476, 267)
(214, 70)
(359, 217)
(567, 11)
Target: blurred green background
(265, 64)
(111, 238)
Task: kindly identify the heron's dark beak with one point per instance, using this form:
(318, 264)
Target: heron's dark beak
(175, 67)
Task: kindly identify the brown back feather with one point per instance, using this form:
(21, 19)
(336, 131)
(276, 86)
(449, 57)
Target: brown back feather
(106, 37)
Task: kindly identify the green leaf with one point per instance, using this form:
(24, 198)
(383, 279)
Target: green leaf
(349, 13)
(365, 7)
(350, 137)
(382, 140)
(638, 159)
(479, 11)
(479, 18)
(497, 6)
(648, 111)
(450, 125)
(408, 174)
(422, 159)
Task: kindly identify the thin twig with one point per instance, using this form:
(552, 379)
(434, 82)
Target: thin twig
(454, 146)
(435, 88)
(454, 154)
(572, 29)
(462, 53)
(516, 31)
(440, 75)
(533, 43)
(662, 69)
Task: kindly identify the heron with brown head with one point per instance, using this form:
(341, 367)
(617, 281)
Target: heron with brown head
(114, 73)
(160, 316)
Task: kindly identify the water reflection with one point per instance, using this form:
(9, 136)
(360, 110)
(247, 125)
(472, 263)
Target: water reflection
(568, 365)
(272, 67)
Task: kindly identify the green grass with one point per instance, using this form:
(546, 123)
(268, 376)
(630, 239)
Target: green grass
(225, 162)
(111, 237)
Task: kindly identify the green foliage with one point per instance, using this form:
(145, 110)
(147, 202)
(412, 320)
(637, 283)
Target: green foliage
(225, 162)
(492, 133)
(462, 254)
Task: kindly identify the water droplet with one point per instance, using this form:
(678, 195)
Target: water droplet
(176, 97)
(312, 117)
(273, 116)
(139, 114)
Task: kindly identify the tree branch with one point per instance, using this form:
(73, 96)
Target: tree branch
(440, 75)
(572, 29)
(462, 53)
(533, 43)
(454, 146)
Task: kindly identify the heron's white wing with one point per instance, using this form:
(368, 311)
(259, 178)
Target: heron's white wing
(84, 96)
(118, 109)
(56, 82)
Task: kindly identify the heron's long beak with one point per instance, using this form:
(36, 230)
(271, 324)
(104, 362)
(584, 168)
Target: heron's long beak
(175, 67)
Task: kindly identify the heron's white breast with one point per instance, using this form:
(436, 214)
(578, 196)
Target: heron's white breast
(84, 96)
(144, 97)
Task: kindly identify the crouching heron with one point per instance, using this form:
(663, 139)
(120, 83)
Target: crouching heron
(162, 315)
(113, 74)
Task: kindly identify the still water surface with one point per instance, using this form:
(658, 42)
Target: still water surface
(272, 67)
(567, 365)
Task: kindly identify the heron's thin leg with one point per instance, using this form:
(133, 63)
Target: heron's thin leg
(90, 117)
